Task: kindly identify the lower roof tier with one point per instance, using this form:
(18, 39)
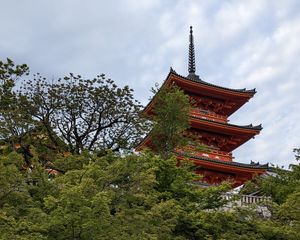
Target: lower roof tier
(225, 166)
(215, 172)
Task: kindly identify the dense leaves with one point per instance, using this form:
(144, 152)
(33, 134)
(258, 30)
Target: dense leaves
(77, 127)
(170, 118)
(110, 197)
(132, 197)
(75, 114)
(92, 114)
(14, 119)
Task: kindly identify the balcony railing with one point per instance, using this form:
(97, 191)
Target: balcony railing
(217, 155)
(244, 199)
(208, 115)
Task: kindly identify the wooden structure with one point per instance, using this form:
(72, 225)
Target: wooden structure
(209, 120)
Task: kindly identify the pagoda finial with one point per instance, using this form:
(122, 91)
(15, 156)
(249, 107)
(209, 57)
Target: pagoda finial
(192, 63)
(192, 67)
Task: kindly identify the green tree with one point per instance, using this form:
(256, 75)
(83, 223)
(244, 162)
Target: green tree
(109, 197)
(87, 114)
(171, 120)
(283, 188)
(284, 183)
(14, 120)
(128, 197)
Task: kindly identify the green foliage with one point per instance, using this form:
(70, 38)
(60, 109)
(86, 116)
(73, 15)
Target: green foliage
(171, 120)
(70, 114)
(11, 178)
(284, 183)
(128, 197)
(279, 185)
(86, 114)
(14, 120)
(101, 194)
(131, 197)
(283, 187)
(289, 211)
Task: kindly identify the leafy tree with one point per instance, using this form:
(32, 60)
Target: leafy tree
(109, 197)
(279, 185)
(114, 196)
(91, 114)
(283, 187)
(129, 197)
(171, 120)
(289, 211)
(284, 183)
(14, 121)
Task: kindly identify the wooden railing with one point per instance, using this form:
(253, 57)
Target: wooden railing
(244, 199)
(208, 115)
(216, 154)
(247, 200)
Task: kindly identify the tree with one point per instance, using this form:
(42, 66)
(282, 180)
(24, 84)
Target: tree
(171, 120)
(129, 197)
(92, 114)
(114, 196)
(14, 120)
(108, 197)
(283, 188)
(284, 183)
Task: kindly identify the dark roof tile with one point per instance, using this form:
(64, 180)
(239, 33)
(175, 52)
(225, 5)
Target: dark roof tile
(237, 164)
(250, 126)
(198, 80)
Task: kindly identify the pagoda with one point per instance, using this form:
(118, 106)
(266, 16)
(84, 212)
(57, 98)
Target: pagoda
(209, 120)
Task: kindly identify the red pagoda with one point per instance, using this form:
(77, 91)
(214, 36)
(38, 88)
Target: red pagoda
(209, 121)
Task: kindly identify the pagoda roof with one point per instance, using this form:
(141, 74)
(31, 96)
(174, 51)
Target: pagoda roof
(195, 85)
(200, 81)
(247, 127)
(226, 165)
(239, 134)
(242, 133)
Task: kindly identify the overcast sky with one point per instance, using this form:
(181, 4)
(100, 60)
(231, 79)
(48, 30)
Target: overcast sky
(252, 44)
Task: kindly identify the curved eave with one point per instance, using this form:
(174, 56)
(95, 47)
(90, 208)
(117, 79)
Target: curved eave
(241, 96)
(242, 134)
(226, 127)
(244, 91)
(146, 141)
(226, 166)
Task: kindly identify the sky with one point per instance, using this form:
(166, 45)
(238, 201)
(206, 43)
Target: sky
(239, 44)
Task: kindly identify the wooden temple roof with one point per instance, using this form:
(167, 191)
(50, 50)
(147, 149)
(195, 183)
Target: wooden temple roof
(226, 164)
(194, 85)
(200, 81)
(238, 134)
(232, 126)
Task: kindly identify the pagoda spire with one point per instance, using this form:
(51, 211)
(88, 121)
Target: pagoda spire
(192, 66)
(192, 62)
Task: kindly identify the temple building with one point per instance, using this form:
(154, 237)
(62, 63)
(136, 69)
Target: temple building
(209, 121)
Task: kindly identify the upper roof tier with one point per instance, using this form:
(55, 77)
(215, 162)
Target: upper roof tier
(196, 79)
(227, 100)
(212, 98)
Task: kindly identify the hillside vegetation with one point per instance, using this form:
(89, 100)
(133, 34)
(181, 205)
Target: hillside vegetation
(67, 170)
